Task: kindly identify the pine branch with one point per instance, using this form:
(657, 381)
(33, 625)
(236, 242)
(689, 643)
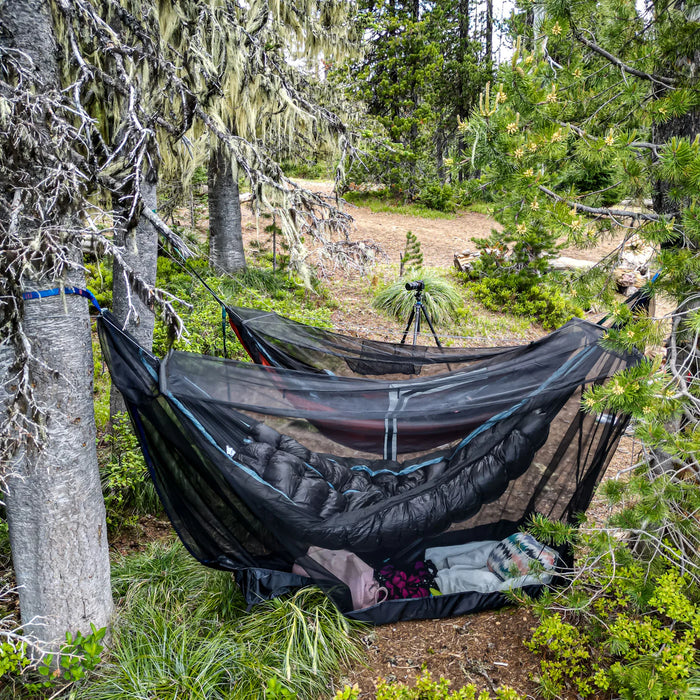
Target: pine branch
(662, 80)
(609, 213)
(653, 147)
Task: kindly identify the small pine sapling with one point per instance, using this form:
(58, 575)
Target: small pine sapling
(412, 256)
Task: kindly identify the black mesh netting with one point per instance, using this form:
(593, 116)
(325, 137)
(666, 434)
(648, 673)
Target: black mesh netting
(274, 340)
(380, 469)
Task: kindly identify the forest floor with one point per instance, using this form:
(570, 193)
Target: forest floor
(487, 648)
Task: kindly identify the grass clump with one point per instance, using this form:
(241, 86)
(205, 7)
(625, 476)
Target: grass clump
(183, 632)
(440, 298)
(382, 202)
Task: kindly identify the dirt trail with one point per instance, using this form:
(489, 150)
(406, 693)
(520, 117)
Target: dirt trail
(440, 238)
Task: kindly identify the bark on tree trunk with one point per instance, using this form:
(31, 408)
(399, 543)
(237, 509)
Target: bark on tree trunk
(687, 126)
(140, 245)
(54, 502)
(683, 359)
(226, 251)
(464, 20)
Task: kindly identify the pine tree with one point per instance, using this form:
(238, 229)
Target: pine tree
(603, 107)
(422, 73)
(393, 80)
(597, 112)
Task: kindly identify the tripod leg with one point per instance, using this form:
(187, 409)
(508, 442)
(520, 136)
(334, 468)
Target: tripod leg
(416, 325)
(427, 318)
(408, 325)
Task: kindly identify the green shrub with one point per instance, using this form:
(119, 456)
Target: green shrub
(13, 658)
(126, 484)
(99, 281)
(428, 689)
(438, 197)
(308, 170)
(386, 201)
(51, 673)
(425, 689)
(252, 287)
(628, 624)
(4, 538)
(440, 297)
(102, 383)
(526, 296)
(641, 644)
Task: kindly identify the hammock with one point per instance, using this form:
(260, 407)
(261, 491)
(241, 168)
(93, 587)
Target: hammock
(271, 339)
(253, 496)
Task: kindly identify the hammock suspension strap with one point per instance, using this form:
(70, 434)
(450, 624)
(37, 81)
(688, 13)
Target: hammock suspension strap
(57, 291)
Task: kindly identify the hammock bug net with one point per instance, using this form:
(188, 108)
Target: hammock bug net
(264, 471)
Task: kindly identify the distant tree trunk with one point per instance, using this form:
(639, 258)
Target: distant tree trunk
(140, 246)
(529, 29)
(226, 252)
(684, 126)
(440, 153)
(464, 20)
(687, 126)
(488, 42)
(54, 504)
(683, 357)
(463, 7)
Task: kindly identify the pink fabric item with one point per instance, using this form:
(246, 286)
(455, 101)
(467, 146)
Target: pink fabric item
(352, 571)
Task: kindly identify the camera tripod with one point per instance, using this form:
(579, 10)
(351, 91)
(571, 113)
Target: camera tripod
(416, 313)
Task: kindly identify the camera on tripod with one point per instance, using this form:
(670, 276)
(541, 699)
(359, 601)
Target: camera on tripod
(417, 286)
(418, 311)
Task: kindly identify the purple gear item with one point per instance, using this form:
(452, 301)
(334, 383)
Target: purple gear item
(415, 581)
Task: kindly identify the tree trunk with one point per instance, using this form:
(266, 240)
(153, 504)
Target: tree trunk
(463, 10)
(682, 356)
(440, 153)
(488, 42)
(226, 251)
(140, 251)
(54, 504)
(688, 126)
(684, 126)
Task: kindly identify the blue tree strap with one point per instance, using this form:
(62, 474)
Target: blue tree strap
(63, 290)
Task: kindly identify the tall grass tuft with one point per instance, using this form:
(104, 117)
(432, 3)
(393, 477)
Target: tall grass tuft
(440, 298)
(183, 632)
(308, 638)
